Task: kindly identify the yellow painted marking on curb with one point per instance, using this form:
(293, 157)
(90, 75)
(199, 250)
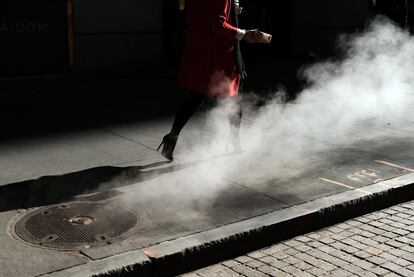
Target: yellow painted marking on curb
(394, 165)
(336, 183)
(344, 185)
(151, 253)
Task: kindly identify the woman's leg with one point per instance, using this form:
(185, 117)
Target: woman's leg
(235, 118)
(188, 108)
(190, 105)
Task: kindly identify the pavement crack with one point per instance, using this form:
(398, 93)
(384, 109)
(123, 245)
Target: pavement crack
(86, 255)
(254, 190)
(127, 138)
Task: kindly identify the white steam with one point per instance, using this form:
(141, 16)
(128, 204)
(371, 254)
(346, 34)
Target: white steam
(373, 78)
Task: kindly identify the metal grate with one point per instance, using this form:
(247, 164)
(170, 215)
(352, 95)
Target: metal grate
(77, 225)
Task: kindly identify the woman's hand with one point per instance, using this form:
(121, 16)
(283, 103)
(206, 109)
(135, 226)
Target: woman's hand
(251, 36)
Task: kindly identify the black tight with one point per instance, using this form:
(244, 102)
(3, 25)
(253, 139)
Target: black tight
(235, 117)
(190, 106)
(187, 109)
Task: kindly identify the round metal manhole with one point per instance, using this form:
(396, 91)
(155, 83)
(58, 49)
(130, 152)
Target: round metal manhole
(78, 225)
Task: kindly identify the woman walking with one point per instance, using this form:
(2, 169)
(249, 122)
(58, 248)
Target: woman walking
(212, 64)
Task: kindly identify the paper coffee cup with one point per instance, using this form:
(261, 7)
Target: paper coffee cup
(263, 37)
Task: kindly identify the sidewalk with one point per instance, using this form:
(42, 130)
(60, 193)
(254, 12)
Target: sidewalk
(376, 244)
(204, 204)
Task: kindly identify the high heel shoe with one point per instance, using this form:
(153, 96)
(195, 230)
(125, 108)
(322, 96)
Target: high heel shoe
(234, 146)
(168, 142)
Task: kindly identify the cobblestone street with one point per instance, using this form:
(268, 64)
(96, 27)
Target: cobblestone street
(376, 244)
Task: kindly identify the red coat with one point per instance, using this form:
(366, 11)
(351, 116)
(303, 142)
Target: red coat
(208, 64)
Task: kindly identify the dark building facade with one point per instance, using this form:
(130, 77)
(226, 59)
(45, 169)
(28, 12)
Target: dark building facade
(34, 37)
(52, 37)
(60, 36)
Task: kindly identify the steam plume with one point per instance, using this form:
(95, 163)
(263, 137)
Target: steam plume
(373, 78)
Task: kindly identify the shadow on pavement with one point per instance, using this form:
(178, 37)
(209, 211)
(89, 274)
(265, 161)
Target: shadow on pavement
(49, 190)
(96, 182)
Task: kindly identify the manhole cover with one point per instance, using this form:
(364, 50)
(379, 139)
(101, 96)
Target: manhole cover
(77, 225)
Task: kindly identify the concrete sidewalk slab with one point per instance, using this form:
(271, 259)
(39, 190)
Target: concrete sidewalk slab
(19, 259)
(147, 133)
(189, 252)
(192, 211)
(32, 158)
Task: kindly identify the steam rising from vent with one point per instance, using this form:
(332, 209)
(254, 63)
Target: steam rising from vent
(373, 78)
